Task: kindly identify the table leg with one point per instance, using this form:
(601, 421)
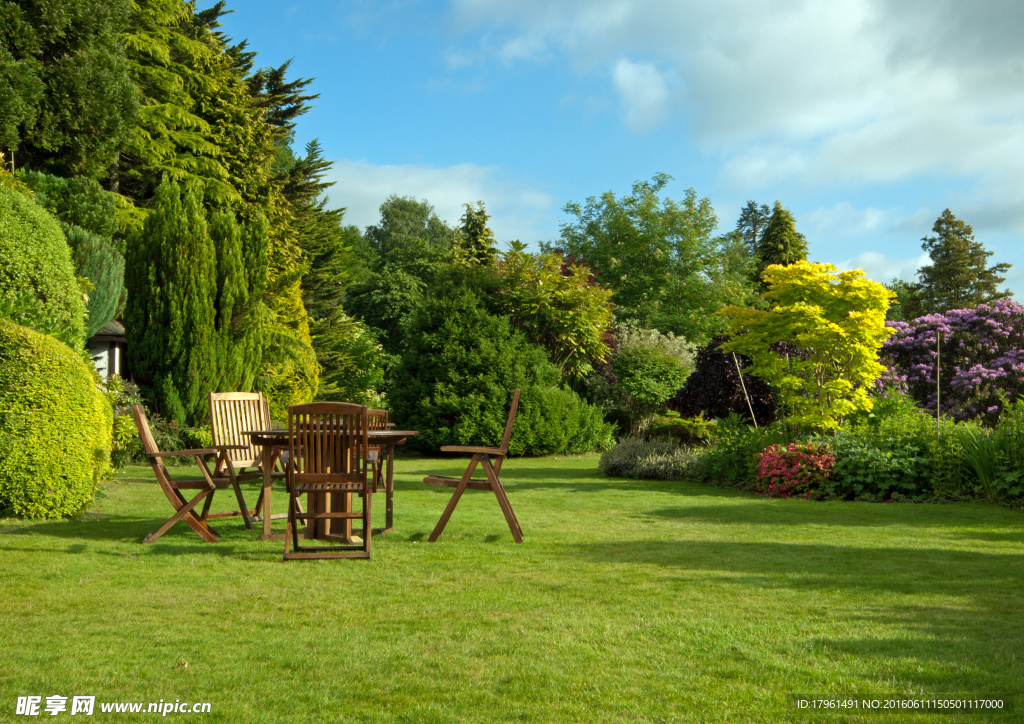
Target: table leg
(268, 467)
(389, 490)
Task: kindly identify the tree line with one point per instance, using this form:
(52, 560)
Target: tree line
(167, 156)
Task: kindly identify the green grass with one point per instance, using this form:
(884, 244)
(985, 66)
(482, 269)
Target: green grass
(629, 601)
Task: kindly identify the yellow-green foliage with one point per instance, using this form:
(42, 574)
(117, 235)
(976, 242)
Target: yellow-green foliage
(836, 320)
(55, 426)
(289, 373)
(35, 258)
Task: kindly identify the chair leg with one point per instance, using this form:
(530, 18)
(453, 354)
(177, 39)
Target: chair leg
(185, 511)
(367, 529)
(291, 530)
(459, 490)
(503, 501)
(241, 504)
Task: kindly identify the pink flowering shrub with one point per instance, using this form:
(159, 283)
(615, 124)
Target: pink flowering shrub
(799, 469)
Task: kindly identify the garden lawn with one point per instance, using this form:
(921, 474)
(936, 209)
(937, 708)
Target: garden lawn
(629, 601)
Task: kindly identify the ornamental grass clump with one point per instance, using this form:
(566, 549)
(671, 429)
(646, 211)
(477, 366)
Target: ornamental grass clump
(797, 470)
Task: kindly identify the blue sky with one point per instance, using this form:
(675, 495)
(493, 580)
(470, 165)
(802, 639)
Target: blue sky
(865, 118)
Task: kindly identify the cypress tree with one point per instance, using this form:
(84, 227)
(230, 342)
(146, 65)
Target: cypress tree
(191, 323)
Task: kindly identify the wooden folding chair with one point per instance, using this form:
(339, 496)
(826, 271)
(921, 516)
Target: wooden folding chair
(482, 456)
(207, 485)
(231, 413)
(327, 446)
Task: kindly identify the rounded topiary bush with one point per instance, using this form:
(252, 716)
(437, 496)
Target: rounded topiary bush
(34, 256)
(55, 427)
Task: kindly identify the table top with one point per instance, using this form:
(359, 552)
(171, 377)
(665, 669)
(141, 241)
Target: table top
(378, 434)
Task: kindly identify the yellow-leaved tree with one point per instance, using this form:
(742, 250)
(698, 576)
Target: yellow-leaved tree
(832, 323)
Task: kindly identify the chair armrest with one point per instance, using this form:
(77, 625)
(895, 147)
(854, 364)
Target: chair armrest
(472, 449)
(231, 447)
(182, 453)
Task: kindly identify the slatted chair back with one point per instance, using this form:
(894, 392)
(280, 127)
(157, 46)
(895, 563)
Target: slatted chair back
(327, 442)
(149, 445)
(377, 420)
(232, 413)
(327, 447)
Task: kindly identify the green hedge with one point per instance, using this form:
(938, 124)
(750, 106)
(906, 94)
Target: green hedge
(34, 256)
(55, 427)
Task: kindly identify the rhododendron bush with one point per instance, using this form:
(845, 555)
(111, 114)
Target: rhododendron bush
(982, 359)
(798, 469)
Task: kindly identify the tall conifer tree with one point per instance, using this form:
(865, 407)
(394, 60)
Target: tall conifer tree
(781, 243)
(190, 325)
(959, 276)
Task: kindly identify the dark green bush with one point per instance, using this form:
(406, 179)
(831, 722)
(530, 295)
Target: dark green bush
(455, 380)
(555, 420)
(55, 426)
(35, 257)
(75, 201)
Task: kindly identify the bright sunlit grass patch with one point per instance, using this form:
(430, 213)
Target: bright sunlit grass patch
(629, 601)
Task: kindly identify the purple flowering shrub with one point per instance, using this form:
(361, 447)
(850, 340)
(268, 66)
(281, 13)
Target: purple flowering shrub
(982, 359)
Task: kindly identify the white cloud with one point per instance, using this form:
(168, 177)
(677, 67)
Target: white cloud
(517, 210)
(643, 94)
(882, 268)
(821, 93)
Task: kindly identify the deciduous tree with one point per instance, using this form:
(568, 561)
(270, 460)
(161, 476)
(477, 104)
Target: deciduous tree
(836, 322)
(659, 257)
(557, 305)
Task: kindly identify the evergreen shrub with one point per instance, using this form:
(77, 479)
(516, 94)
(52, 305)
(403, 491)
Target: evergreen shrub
(455, 380)
(55, 426)
(35, 258)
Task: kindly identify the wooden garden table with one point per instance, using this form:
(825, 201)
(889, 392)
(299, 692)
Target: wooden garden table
(273, 441)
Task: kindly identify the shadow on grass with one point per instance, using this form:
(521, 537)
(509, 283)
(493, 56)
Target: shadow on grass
(970, 643)
(573, 480)
(132, 530)
(826, 567)
(974, 520)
